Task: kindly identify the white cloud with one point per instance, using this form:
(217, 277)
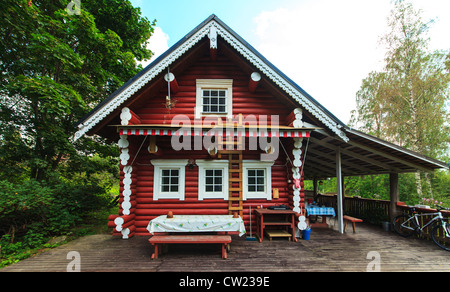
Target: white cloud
(327, 47)
(158, 44)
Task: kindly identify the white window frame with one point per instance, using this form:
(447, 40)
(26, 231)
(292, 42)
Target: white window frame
(159, 166)
(267, 166)
(214, 84)
(204, 165)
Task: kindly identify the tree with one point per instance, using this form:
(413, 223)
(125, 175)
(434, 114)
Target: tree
(54, 68)
(406, 103)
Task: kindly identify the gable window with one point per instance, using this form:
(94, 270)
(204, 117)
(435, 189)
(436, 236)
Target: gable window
(212, 179)
(214, 97)
(257, 180)
(168, 179)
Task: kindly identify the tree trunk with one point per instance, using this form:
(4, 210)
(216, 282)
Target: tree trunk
(419, 184)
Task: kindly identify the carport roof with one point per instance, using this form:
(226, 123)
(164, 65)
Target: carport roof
(363, 154)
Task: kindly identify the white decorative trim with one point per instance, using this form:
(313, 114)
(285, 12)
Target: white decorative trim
(109, 107)
(298, 122)
(125, 116)
(212, 37)
(127, 170)
(296, 175)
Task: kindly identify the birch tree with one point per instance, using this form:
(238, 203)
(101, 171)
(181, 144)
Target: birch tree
(406, 103)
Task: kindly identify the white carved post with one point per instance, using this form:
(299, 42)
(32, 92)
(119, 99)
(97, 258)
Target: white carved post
(127, 181)
(296, 175)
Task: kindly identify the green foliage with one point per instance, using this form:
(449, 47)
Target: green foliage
(407, 102)
(54, 67)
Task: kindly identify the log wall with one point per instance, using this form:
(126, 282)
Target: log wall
(260, 103)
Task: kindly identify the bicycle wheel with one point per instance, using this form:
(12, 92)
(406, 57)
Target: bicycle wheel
(439, 237)
(404, 225)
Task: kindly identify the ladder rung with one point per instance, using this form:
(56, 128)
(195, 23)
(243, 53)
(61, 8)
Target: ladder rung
(229, 142)
(235, 208)
(234, 199)
(230, 152)
(235, 189)
(235, 179)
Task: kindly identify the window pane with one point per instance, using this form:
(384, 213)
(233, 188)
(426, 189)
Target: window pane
(218, 188)
(206, 108)
(260, 188)
(222, 100)
(221, 109)
(166, 172)
(222, 93)
(260, 172)
(217, 180)
(214, 109)
(209, 188)
(251, 188)
(209, 180)
(165, 188)
(209, 172)
(214, 101)
(251, 172)
(174, 188)
(251, 180)
(174, 172)
(214, 93)
(205, 93)
(174, 180)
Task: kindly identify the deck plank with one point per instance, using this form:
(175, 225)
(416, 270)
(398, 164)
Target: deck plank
(327, 250)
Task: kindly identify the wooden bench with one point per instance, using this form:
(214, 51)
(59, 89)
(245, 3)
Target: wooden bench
(158, 240)
(353, 220)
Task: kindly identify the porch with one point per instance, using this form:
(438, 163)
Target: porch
(326, 251)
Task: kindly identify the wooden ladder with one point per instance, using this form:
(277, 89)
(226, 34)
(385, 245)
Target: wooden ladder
(233, 147)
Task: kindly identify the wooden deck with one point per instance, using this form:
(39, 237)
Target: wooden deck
(327, 250)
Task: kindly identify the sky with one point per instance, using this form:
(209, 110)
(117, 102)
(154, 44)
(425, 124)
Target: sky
(326, 46)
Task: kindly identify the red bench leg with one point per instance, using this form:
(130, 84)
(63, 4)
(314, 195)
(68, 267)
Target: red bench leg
(156, 253)
(224, 251)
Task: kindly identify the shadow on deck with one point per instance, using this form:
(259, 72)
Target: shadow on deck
(327, 250)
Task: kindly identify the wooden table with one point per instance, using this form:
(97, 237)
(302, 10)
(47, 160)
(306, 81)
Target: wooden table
(275, 218)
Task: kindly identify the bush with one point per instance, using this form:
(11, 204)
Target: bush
(22, 204)
(31, 212)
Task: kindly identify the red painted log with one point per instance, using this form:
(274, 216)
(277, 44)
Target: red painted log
(213, 54)
(181, 211)
(254, 81)
(135, 120)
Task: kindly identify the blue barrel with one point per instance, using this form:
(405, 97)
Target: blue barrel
(306, 234)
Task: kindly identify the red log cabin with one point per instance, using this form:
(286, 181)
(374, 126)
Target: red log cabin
(210, 127)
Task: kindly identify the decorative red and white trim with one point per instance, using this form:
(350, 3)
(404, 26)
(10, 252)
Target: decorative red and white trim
(225, 133)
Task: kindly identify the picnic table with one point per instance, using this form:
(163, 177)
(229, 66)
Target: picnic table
(316, 210)
(195, 226)
(196, 223)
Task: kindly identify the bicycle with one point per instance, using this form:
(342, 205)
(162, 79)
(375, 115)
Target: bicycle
(408, 224)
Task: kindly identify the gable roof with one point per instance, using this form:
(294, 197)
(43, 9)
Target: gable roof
(294, 91)
(364, 154)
